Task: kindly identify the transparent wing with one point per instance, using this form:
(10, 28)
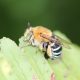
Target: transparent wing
(64, 43)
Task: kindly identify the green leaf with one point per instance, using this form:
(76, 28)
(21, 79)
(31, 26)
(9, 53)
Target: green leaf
(26, 62)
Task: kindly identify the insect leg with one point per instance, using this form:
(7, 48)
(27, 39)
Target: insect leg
(46, 55)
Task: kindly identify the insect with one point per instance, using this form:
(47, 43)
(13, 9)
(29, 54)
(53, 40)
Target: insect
(44, 39)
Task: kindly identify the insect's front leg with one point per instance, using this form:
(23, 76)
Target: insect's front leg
(41, 46)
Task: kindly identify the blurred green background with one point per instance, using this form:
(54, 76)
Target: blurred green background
(63, 15)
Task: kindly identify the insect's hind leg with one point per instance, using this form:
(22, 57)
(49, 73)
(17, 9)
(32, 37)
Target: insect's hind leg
(46, 56)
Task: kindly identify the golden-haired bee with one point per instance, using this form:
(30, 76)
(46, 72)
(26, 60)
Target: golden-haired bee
(44, 39)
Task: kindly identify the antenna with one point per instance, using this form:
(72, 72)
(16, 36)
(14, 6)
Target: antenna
(28, 24)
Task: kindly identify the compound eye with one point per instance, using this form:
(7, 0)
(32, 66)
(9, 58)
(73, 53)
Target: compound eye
(28, 36)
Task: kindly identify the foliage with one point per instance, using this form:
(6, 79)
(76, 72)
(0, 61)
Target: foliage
(28, 62)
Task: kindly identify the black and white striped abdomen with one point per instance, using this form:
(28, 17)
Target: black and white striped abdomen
(56, 50)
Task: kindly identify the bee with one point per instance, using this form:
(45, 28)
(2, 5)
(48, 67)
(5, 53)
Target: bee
(44, 39)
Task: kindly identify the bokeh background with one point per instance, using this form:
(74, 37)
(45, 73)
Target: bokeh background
(63, 15)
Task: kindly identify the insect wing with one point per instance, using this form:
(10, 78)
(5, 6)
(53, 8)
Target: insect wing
(64, 43)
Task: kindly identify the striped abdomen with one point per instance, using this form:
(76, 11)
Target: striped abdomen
(56, 50)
